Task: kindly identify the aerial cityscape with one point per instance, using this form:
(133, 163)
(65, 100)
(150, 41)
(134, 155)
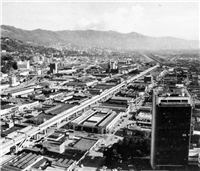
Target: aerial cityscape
(100, 86)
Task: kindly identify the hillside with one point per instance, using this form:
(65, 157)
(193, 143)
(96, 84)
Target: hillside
(13, 45)
(105, 39)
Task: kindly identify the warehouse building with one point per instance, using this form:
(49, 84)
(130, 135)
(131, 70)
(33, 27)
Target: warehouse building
(117, 104)
(21, 91)
(8, 109)
(97, 120)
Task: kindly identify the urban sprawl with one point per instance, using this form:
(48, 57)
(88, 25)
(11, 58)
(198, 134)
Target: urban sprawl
(65, 109)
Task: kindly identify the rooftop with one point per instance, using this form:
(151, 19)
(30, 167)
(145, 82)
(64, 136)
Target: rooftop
(145, 115)
(58, 109)
(114, 106)
(171, 92)
(20, 90)
(85, 143)
(21, 162)
(107, 120)
(6, 106)
(83, 116)
(119, 98)
(11, 130)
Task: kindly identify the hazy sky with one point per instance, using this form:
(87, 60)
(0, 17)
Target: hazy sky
(177, 19)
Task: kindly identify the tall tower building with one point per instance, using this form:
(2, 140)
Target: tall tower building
(53, 68)
(171, 122)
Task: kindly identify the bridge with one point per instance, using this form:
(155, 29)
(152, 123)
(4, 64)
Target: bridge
(17, 138)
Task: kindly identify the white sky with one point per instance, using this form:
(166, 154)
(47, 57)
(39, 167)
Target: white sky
(177, 19)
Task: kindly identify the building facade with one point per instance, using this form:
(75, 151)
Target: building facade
(13, 81)
(170, 128)
(53, 68)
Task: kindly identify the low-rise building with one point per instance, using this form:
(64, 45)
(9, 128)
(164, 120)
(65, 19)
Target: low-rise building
(55, 143)
(7, 110)
(24, 72)
(24, 161)
(21, 91)
(97, 121)
(3, 75)
(118, 104)
(4, 87)
(23, 65)
(28, 106)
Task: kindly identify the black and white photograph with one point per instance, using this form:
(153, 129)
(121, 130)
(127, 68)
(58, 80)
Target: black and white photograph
(102, 85)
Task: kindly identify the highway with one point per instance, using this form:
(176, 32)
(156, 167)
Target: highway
(154, 58)
(8, 142)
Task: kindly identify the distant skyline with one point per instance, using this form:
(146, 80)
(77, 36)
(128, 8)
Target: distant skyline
(156, 19)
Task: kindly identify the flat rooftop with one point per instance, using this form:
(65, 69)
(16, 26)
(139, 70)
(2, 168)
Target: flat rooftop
(145, 115)
(171, 92)
(58, 109)
(20, 90)
(85, 144)
(11, 130)
(6, 106)
(83, 116)
(21, 162)
(114, 107)
(95, 119)
(106, 121)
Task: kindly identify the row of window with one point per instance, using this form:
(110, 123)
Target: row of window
(174, 101)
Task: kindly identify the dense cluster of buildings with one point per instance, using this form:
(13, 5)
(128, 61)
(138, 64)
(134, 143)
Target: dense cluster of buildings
(161, 102)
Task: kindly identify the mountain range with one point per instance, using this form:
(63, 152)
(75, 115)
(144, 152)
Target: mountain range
(13, 45)
(104, 39)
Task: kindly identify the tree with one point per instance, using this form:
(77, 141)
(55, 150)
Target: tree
(15, 65)
(131, 146)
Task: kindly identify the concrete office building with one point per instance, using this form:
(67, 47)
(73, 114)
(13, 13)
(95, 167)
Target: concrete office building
(53, 68)
(112, 67)
(13, 81)
(170, 128)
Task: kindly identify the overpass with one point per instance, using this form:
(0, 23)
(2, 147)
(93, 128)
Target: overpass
(25, 134)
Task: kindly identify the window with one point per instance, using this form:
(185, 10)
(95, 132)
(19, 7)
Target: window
(173, 101)
(185, 101)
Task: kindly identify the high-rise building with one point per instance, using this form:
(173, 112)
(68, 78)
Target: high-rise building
(112, 67)
(13, 81)
(53, 68)
(171, 120)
